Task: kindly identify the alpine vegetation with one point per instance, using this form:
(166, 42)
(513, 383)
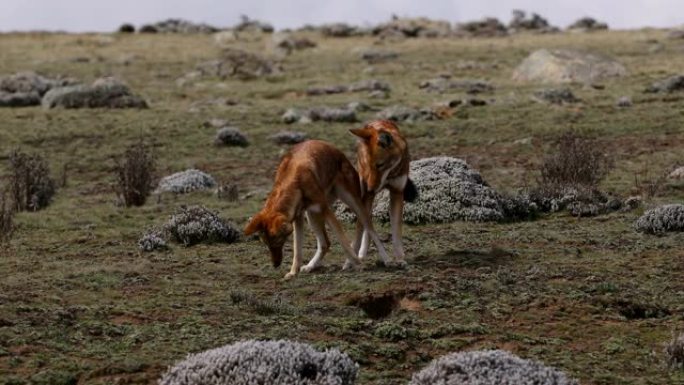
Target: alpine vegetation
(105, 92)
(185, 182)
(449, 190)
(488, 367)
(30, 183)
(674, 351)
(134, 175)
(230, 136)
(288, 137)
(661, 220)
(152, 240)
(197, 224)
(249, 362)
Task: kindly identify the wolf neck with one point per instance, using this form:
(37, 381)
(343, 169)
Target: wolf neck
(285, 201)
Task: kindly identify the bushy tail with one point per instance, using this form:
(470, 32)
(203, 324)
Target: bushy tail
(410, 191)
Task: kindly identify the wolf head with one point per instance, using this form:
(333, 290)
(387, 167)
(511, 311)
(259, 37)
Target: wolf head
(273, 229)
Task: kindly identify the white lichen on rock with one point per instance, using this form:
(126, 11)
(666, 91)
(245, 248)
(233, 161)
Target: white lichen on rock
(449, 190)
(661, 219)
(488, 367)
(231, 136)
(186, 181)
(249, 362)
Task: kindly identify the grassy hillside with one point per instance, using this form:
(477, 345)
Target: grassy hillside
(80, 304)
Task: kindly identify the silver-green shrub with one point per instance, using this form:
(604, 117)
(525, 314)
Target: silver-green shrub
(488, 367)
(251, 362)
(186, 181)
(661, 219)
(197, 224)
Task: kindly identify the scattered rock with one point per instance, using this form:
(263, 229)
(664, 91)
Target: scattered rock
(239, 64)
(325, 114)
(470, 86)
(363, 85)
(535, 23)
(378, 55)
(631, 203)
(185, 182)
(263, 362)
(556, 96)
(250, 25)
(488, 27)
(215, 122)
(288, 137)
(197, 224)
(399, 113)
(624, 102)
(287, 43)
(19, 99)
(586, 24)
(230, 136)
(677, 173)
(103, 93)
(676, 34)
(177, 26)
(662, 219)
(564, 66)
(340, 30)
(413, 27)
(671, 84)
(480, 367)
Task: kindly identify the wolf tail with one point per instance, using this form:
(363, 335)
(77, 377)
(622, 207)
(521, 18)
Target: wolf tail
(410, 191)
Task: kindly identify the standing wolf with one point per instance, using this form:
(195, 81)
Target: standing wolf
(311, 177)
(383, 162)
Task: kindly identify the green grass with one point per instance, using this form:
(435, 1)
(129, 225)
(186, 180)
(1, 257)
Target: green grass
(80, 304)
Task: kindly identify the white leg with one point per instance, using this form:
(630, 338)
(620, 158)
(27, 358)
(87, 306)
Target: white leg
(317, 223)
(298, 242)
(365, 244)
(337, 229)
(357, 207)
(396, 219)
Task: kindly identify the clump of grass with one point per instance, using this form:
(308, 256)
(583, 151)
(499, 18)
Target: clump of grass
(30, 183)
(261, 306)
(576, 161)
(674, 351)
(134, 172)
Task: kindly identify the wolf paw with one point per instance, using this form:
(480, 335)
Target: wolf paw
(308, 268)
(289, 276)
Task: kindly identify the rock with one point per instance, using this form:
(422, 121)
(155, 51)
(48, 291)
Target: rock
(566, 66)
(363, 85)
(325, 114)
(215, 122)
(556, 96)
(225, 38)
(587, 24)
(185, 182)
(177, 26)
(535, 23)
(288, 137)
(287, 43)
(378, 56)
(677, 173)
(340, 30)
(103, 93)
(662, 219)
(19, 99)
(624, 102)
(250, 25)
(671, 84)
(399, 113)
(413, 27)
(448, 191)
(676, 34)
(230, 136)
(488, 367)
(488, 27)
(631, 203)
(239, 64)
(27, 83)
(470, 86)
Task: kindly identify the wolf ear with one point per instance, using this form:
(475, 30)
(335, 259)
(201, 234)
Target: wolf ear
(364, 133)
(279, 225)
(256, 224)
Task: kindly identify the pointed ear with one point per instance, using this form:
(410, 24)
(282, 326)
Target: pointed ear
(256, 224)
(364, 133)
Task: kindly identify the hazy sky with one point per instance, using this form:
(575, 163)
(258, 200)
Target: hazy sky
(107, 15)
